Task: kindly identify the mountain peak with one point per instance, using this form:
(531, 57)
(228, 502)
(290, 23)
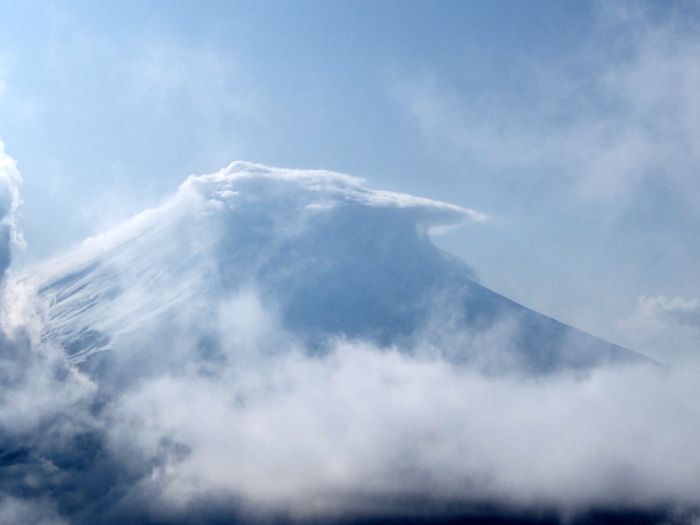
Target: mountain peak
(331, 257)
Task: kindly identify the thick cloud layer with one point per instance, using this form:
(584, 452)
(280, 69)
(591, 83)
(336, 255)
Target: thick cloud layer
(274, 344)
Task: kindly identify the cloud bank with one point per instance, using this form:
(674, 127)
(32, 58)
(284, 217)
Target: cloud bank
(277, 345)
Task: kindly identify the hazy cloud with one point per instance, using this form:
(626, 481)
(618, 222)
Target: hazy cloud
(170, 77)
(668, 328)
(10, 102)
(619, 111)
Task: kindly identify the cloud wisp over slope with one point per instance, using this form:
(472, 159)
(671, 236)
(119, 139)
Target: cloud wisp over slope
(282, 344)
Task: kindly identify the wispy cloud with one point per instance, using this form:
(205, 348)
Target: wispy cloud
(174, 77)
(666, 327)
(12, 105)
(620, 110)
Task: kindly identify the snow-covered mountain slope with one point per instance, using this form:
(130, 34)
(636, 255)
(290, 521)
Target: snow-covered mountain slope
(330, 258)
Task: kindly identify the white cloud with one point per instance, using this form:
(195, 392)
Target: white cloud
(668, 328)
(181, 79)
(12, 104)
(607, 118)
(10, 236)
(352, 431)
(10, 180)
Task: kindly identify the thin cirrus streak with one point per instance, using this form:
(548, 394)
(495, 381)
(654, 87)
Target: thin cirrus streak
(288, 345)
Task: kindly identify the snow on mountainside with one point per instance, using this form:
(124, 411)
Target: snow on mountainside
(330, 257)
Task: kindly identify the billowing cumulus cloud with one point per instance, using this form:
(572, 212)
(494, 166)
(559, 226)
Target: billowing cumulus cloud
(281, 344)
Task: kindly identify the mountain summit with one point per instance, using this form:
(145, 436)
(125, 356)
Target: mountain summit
(330, 258)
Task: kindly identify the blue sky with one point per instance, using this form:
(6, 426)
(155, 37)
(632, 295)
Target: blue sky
(575, 126)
